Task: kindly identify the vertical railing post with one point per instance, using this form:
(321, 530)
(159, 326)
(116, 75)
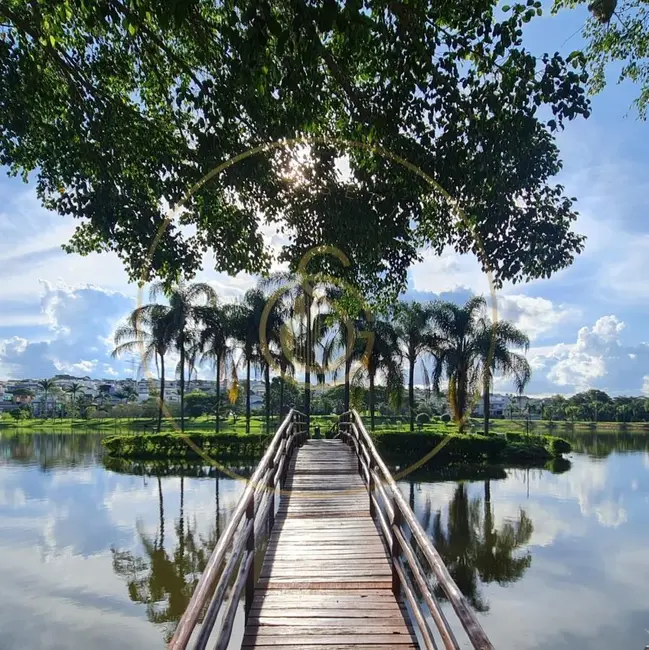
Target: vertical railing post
(370, 489)
(358, 452)
(271, 486)
(250, 547)
(395, 548)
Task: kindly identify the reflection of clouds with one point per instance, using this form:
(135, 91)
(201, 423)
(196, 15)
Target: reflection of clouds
(57, 529)
(76, 603)
(611, 514)
(555, 608)
(588, 483)
(586, 587)
(549, 521)
(14, 497)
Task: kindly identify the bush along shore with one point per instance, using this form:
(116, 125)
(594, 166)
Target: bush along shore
(151, 446)
(454, 448)
(457, 448)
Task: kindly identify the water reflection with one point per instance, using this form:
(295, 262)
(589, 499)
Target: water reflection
(163, 579)
(96, 553)
(50, 450)
(95, 557)
(601, 445)
(473, 548)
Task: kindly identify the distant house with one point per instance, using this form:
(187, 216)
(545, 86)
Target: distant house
(497, 406)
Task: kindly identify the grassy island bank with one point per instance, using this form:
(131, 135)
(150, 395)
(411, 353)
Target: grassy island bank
(453, 448)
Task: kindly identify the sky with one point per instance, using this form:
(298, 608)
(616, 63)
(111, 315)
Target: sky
(587, 323)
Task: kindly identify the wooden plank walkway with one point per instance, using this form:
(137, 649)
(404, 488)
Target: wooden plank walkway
(326, 581)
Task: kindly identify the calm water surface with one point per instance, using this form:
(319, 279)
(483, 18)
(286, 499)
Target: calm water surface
(103, 557)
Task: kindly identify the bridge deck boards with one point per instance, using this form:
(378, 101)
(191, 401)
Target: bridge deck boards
(325, 582)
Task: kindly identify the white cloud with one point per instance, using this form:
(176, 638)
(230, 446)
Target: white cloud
(448, 272)
(533, 315)
(79, 320)
(598, 359)
(645, 385)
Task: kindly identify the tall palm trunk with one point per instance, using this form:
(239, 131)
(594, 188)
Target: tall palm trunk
(461, 389)
(218, 390)
(161, 400)
(371, 404)
(485, 402)
(348, 370)
(411, 390)
(182, 382)
(267, 395)
(307, 365)
(248, 394)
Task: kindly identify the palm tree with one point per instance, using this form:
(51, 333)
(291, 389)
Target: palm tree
(383, 356)
(182, 317)
(128, 393)
(494, 341)
(594, 407)
(413, 328)
(272, 352)
(147, 332)
(246, 323)
(73, 389)
(46, 385)
(341, 321)
(297, 301)
(286, 368)
(216, 323)
(104, 393)
(461, 345)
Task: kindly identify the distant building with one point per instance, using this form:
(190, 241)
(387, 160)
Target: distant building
(497, 406)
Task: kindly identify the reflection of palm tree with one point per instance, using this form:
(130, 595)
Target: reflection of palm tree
(472, 548)
(164, 581)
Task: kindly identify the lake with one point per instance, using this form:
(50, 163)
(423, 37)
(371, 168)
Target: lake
(107, 556)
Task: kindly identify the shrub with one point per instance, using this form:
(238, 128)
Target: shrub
(446, 418)
(174, 445)
(421, 419)
(559, 446)
(513, 437)
(21, 414)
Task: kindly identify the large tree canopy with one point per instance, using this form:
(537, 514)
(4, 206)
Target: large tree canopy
(616, 33)
(120, 106)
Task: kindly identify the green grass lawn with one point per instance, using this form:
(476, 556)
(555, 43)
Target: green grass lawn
(325, 422)
(135, 425)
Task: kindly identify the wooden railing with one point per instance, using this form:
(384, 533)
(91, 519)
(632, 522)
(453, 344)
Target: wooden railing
(217, 594)
(413, 556)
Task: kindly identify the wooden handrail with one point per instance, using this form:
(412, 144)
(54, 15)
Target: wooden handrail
(239, 534)
(400, 515)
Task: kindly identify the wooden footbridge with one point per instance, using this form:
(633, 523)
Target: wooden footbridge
(323, 552)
